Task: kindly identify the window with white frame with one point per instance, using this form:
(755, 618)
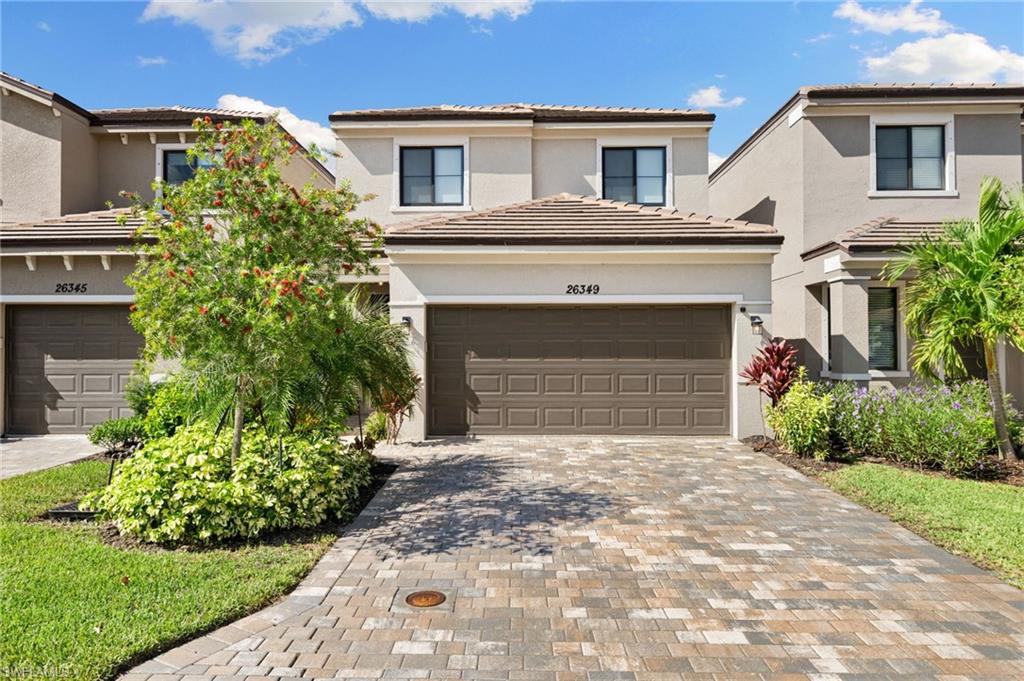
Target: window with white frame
(431, 176)
(910, 157)
(634, 174)
(883, 329)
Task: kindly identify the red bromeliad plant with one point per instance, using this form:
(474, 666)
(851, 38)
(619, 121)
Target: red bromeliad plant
(242, 280)
(773, 369)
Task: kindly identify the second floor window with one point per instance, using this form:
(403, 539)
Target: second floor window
(910, 157)
(178, 167)
(431, 176)
(634, 174)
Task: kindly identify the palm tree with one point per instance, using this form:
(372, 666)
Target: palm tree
(969, 289)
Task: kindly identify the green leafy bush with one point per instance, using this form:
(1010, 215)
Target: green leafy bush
(376, 426)
(170, 406)
(946, 427)
(801, 420)
(183, 489)
(139, 392)
(114, 434)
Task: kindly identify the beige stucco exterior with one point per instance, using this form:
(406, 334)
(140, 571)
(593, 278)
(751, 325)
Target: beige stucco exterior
(808, 173)
(514, 163)
(479, 275)
(30, 160)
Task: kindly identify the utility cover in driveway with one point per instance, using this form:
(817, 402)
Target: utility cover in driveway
(585, 369)
(68, 365)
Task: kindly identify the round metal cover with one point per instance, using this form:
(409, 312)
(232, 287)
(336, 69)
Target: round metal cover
(425, 599)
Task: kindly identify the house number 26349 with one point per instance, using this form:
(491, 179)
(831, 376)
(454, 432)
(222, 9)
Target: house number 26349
(582, 289)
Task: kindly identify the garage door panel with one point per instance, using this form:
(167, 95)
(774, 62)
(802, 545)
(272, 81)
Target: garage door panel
(635, 369)
(68, 366)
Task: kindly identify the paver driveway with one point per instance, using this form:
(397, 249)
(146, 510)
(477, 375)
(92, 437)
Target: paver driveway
(571, 558)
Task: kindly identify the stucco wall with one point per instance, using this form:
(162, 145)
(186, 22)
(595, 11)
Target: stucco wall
(690, 174)
(30, 160)
(618, 274)
(837, 172)
(79, 172)
(500, 171)
(564, 165)
(766, 185)
(127, 167)
(17, 280)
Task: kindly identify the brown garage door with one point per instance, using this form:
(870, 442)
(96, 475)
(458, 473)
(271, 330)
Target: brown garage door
(67, 366)
(653, 370)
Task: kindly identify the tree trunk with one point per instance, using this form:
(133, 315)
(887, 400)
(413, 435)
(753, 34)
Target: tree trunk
(995, 388)
(236, 443)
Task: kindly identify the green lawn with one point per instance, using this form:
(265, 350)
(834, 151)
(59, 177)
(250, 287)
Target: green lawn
(983, 521)
(66, 598)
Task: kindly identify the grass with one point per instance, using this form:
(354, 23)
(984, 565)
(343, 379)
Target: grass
(983, 521)
(74, 607)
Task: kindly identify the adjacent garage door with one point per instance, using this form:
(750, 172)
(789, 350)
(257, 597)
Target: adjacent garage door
(633, 370)
(67, 366)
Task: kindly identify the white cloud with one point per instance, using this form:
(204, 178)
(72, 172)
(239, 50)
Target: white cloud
(413, 10)
(955, 57)
(262, 31)
(820, 38)
(257, 31)
(714, 160)
(43, 26)
(150, 61)
(711, 98)
(911, 18)
(307, 132)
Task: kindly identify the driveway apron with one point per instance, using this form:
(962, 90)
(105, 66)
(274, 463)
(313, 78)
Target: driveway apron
(611, 559)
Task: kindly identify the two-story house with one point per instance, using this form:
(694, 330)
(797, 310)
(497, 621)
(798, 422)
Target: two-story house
(67, 345)
(850, 173)
(557, 270)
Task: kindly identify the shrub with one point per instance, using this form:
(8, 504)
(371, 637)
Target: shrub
(170, 406)
(139, 392)
(183, 489)
(801, 419)
(115, 434)
(376, 426)
(945, 427)
(773, 369)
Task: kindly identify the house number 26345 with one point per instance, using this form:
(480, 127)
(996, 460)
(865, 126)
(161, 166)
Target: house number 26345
(582, 289)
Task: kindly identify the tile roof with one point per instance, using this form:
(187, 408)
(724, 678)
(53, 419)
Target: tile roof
(877, 236)
(170, 114)
(97, 228)
(577, 220)
(539, 113)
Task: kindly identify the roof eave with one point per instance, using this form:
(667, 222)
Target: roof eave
(705, 240)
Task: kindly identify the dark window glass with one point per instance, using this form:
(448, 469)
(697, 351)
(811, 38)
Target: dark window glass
(634, 175)
(910, 157)
(431, 176)
(179, 168)
(882, 331)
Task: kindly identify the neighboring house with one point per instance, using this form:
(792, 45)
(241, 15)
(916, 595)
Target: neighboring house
(848, 174)
(68, 348)
(557, 271)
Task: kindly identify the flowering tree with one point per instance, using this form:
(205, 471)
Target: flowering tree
(241, 282)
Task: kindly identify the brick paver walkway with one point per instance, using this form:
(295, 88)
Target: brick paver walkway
(613, 559)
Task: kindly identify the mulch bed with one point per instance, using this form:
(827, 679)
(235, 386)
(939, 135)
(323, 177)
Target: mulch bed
(992, 469)
(382, 470)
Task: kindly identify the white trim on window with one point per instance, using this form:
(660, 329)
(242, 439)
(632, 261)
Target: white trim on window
(902, 354)
(400, 141)
(943, 119)
(613, 142)
(160, 149)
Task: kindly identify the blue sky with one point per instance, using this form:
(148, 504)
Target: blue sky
(740, 60)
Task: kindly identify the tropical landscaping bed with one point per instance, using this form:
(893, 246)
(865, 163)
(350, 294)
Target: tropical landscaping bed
(81, 601)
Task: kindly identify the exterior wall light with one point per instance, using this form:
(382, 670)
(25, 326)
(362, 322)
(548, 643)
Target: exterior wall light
(407, 322)
(756, 324)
